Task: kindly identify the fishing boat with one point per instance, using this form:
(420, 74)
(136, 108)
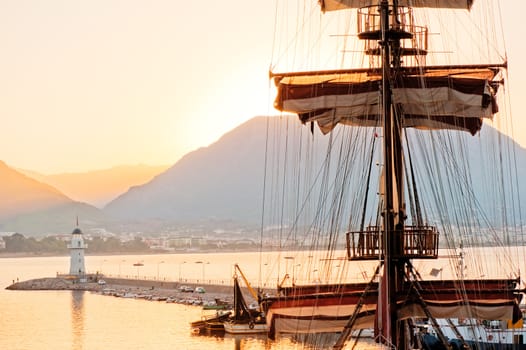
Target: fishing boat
(403, 132)
(244, 320)
(210, 323)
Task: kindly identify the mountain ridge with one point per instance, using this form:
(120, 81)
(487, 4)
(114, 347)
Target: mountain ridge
(225, 183)
(212, 182)
(98, 187)
(33, 207)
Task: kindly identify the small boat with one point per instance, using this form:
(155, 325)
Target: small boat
(245, 320)
(138, 264)
(492, 334)
(211, 322)
(217, 304)
(244, 328)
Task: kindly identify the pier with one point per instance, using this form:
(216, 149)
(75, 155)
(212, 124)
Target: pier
(142, 289)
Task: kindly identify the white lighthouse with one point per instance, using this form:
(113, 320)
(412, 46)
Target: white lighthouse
(76, 249)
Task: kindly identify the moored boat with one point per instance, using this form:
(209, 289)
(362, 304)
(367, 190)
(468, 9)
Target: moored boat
(212, 322)
(244, 320)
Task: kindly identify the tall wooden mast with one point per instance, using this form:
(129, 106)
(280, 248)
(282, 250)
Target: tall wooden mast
(393, 267)
(386, 306)
(392, 25)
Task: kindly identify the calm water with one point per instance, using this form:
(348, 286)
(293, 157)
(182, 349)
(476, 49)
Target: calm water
(82, 320)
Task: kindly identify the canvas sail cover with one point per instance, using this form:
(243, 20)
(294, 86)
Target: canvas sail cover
(332, 5)
(241, 312)
(300, 310)
(438, 99)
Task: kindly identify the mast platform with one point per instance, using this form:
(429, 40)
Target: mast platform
(416, 242)
(412, 39)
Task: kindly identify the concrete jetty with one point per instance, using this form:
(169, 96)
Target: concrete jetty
(144, 289)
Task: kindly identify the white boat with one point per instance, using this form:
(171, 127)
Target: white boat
(244, 328)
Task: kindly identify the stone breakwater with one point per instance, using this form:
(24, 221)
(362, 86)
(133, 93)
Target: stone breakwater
(140, 289)
(53, 284)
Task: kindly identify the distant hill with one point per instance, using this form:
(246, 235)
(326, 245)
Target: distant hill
(100, 186)
(21, 194)
(32, 207)
(222, 185)
(225, 181)
(222, 181)
(55, 219)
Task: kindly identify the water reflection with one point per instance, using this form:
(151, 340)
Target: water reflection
(77, 319)
(249, 341)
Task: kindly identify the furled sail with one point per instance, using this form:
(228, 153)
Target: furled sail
(456, 99)
(326, 308)
(332, 5)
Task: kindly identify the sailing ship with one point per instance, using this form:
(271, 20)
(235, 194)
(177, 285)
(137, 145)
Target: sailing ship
(407, 108)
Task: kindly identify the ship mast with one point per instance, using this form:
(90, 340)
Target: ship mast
(388, 25)
(393, 268)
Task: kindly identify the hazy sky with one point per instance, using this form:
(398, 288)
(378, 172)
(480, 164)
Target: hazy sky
(87, 85)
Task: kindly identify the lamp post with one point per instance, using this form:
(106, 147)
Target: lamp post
(203, 269)
(316, 280)
(138, 264)
(101, 264)
(180, 265)
(338, 277)
(309, 267)
(120, 262)
(287, 258)
(159, 263)
(294, 273)
(200, 262)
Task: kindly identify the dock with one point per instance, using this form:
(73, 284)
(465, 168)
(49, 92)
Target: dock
(137, 288)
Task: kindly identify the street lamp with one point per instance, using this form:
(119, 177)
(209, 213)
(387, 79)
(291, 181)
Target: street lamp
(203, 270)
(287, 258)
(180, 265)
(294, 273)
(138, 264)
(338, 277)
(316, 280)
(120, 262)
(159, 263)
(101, 264)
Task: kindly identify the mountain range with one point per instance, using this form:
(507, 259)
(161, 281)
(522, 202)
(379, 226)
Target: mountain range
(98, 187)
(222, 181)
(32, 207)
(225, 182)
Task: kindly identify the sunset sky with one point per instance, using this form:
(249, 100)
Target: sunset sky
(87, 85)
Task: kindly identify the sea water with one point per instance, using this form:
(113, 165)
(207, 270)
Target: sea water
(78, 320)
(88, 321)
